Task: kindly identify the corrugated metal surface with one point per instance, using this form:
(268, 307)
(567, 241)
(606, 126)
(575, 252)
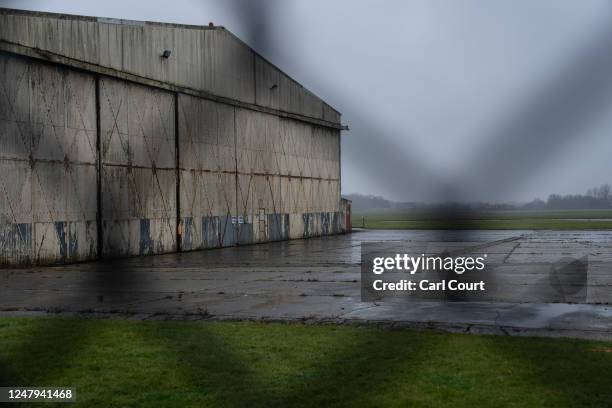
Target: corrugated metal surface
(206, 59)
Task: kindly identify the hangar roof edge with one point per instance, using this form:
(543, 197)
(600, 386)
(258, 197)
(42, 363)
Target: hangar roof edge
(127, 22)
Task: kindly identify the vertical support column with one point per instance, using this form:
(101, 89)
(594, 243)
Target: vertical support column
(99, 229)
(179, 222)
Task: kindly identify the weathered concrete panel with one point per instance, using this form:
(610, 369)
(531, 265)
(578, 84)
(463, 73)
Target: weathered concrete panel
(151, 127)
(259, 179)
(233, 67)
(267, 80)
(139, 169)
(110, 45)
(15, 127)
(207, 137)
(293, 97)
(15, 28)
(208, 173)
(138, 211)
(48, 141)
(330, 114)
(16, 234)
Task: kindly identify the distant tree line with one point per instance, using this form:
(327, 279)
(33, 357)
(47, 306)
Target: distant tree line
(595, 198)
(363, 202)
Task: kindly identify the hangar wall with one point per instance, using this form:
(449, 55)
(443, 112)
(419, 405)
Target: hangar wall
(93, 166)
(205, 58)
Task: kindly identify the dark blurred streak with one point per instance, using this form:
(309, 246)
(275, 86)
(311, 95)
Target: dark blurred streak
(111, 280)
(395, 168)
(544, 123)
(536, 132)
(255, 19)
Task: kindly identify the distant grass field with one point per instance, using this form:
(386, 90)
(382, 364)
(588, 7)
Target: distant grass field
(227, 364)
(518, 219)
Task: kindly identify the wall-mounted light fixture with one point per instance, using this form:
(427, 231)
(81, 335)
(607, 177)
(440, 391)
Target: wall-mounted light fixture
(166, 54)
(273, 87)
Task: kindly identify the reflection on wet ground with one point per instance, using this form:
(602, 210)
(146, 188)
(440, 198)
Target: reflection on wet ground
(319, 280)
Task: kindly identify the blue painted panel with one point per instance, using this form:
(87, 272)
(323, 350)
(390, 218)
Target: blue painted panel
(228, 231)
(16, 244)
(146, 244)
(60, 231)
(245, 233)
(73, 241)
(210, 232)
(278, 227)
(187, 239)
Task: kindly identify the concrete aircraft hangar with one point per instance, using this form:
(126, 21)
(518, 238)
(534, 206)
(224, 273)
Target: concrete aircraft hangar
(122, 138)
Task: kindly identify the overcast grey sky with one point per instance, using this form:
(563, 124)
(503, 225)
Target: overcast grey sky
(466, 100)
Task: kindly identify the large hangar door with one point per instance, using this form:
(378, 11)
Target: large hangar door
(48, 165)
(260, 163)
(138, 183)
(207, 155)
